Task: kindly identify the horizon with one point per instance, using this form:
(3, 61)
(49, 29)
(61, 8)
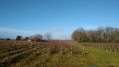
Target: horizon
(59, 17)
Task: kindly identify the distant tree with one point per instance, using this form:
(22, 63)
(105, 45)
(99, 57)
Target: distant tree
(2, 39)
(75, 35)
(79, 35)
(8, 39)
(101, 34)
(19, 38)
(26, 38)
(48, 36)
(37, 37)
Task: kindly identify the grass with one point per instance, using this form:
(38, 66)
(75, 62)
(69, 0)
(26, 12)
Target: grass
(103, 58)
(45, 59)
(41, 56)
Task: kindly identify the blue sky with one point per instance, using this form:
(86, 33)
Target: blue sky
(60, 17)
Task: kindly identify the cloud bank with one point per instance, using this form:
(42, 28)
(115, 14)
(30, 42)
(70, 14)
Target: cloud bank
(60, 34)
(10, 32)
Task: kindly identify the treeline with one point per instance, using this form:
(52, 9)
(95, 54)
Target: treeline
(101, 34)
(36, 37)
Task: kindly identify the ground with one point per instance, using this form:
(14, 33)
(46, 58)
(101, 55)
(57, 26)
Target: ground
(54, 54)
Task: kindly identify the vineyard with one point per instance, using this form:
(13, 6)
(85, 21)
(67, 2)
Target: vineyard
(56, 54)
(114, 47)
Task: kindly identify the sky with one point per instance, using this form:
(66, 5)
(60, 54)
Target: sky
(59, 17)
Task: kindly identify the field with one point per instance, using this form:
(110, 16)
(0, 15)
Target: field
(58, 54)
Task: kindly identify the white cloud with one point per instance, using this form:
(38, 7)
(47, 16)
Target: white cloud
(60, 34)
(3, 29)
(14, 31)
(11, 32)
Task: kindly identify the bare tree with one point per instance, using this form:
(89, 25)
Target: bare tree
(107, 34)
(37, 37)
(26, 38)
(79, 35)
(48, 36)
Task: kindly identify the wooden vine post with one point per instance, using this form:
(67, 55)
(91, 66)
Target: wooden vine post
(83, 49)
(31, 45)
(71, 50)
(5, 44)
(19, 44)
(61, 50)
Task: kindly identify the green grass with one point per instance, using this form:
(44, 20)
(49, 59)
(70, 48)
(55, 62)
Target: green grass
(103, 58)
(45, 59)
(41, 56)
